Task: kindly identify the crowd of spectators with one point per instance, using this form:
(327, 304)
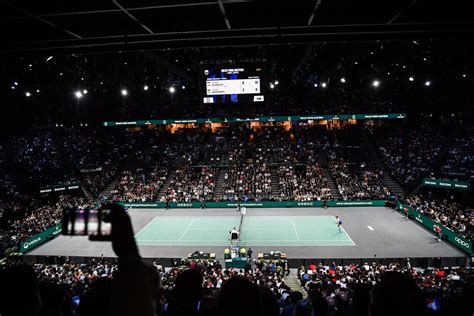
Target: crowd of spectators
(38, 220)
(191, 184)
(351, 289)
(95, 155)
(204, 287)
(37, 153)
(303, 183)
(459, 164)
(409, 153)
(140, 185)
(247, 177)
(453, 215)
(355, 181)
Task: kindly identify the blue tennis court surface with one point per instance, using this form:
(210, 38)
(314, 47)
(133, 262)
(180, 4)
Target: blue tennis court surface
(256, 231)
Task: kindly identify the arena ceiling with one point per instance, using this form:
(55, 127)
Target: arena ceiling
(91, 26)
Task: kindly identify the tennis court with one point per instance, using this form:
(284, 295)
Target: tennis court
(255, 231)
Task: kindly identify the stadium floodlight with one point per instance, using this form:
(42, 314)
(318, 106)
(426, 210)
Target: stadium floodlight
(276, 82)
(464, 75)
(315, 85)
(60, 73)
(145, 87)
(343, 80)
(13, 87)
(124, 92)
(183, 87)
(272, 86)
(49, 58)
(427, 83)
(172, 89)
(37, 91)
(78, 94)
(324, 84)
(84, 91)
(15, 83)
(376, 83)
(28, 94)
(411, 79)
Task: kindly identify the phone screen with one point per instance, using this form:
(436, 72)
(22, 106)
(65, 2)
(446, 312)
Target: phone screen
(83, 222)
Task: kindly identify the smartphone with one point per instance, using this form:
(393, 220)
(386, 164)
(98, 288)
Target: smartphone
(87, 222)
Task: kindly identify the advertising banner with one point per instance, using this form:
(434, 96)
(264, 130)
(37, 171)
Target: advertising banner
(40, 238)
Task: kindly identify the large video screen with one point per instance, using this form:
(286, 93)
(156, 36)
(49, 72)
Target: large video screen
(233, 84)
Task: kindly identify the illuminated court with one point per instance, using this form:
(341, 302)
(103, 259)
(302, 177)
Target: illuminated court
(255, 231)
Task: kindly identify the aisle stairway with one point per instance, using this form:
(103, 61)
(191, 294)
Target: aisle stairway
(108, 189)
(294, 284)
(165, 186)
(327, 174)
(219, 190)
(372, 153)
(275, 185)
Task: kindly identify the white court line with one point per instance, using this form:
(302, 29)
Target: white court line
(370, 227)
(186, 229)
(346, 233)
(146, 226)
(294, 228)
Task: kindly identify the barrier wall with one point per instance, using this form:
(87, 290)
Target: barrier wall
(265, 204)
(357, 203)
(40, 238)
(260, 119)
(451, 236)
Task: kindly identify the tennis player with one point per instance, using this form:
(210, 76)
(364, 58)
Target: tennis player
(339, 223)
(439, 232)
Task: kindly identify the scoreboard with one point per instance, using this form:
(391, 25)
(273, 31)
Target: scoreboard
(233, 85)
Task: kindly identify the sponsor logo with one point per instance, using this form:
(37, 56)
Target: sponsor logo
(27, 244)
(354, 203)
(184, 204)
(462, 242)
(418, 218)
(56, 231)
(140, 204)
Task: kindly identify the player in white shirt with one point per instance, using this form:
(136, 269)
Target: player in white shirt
(339, 223)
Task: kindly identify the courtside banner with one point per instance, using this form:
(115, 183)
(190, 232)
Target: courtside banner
(446, 184)
(357, 203)
(329, 117)
(40, 238)
(262, 204)
(142, 204)
(451, 236)
(267, 204)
